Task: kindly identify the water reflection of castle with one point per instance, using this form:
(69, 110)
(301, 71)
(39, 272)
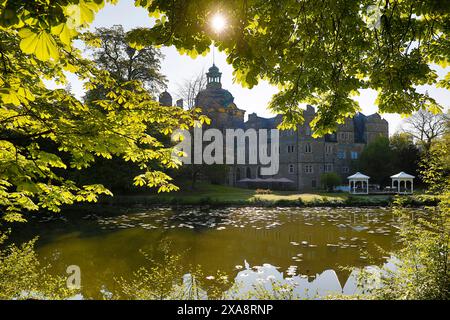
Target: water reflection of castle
(302, 158)
(322, 285)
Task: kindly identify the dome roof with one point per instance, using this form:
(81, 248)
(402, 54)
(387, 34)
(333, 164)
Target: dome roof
(214, 97)
(213, 69)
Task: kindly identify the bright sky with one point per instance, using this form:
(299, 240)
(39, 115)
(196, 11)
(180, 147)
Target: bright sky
(179, 68)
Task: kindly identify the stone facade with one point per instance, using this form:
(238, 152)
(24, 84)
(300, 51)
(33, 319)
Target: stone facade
(303, 159)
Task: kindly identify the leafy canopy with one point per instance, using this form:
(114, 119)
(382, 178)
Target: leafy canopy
(125, 63)
(317, 52)
(44, 132)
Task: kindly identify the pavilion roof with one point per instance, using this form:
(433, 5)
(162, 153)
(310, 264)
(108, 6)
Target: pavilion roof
(403, 175)
(358, 175)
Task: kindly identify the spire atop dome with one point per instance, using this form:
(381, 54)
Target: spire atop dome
(213, 77)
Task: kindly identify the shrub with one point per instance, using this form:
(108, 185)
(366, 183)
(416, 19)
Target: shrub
(263, 191)
(330, 180)
(22, 276)
(423, 263)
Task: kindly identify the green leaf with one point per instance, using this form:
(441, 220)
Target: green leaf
(41, 44)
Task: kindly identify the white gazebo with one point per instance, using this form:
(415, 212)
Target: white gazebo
(358, 183)
(405, 178)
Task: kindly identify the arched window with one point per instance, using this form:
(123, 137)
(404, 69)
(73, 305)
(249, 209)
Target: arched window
(291, 168)
(248, 173)
(308, 147)
(308, 130)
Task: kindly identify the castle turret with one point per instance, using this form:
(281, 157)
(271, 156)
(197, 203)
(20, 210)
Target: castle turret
(165, 99)
(213, 77)
(218, 103)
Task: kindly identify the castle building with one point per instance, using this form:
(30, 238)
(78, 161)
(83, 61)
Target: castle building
(303, 159)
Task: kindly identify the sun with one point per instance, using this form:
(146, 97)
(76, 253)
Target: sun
(218, 23)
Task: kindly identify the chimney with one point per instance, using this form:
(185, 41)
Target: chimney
(180, 103)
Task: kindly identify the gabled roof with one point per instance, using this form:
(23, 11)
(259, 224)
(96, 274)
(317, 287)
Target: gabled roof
(358, 175)
(402, 175)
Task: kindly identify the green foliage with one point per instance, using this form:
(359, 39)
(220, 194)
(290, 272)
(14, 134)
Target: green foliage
(406, 154)
(330, 180)
(435, 166)
(45, 131)
(423, 261)
(22, 276)
(124, 63)
(377, 161)
(317, 54)
(330, 52)
(422, 267)
(165, 279)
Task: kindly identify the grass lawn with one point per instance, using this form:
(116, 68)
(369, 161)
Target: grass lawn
(226, 195)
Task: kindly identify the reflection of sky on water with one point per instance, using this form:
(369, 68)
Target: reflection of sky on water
(306, 241)
(323, 284)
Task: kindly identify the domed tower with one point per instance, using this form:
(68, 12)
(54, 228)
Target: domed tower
(213, 77)
(165, 99)
(218, 103)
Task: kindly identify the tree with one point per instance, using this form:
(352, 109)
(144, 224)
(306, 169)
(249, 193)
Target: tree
(426, 127)
(330, 180)
(36, 42)
(406, 154)
(125, 63)
(317, 54)
(435, 166)
(189, 89)
(377, 161)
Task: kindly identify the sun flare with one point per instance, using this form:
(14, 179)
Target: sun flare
(218, 23)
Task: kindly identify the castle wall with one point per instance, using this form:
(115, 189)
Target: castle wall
(303, 159)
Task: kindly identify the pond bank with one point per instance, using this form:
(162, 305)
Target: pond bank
(216, 195)
(319, 201)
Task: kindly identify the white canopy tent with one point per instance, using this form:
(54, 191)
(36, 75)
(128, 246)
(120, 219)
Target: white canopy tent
(358, 183)
(405, 178)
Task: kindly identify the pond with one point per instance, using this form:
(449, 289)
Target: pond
(310, 244)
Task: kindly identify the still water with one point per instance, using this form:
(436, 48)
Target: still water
(307, 244)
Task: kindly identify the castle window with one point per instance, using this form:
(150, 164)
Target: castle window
(354, 155)
(345, 169)
(289, 132)
(308, 168)
(291, 168)
(328, 167)
(344, 136)
(307, 130)
(308, 148)
(290, 149)
(248, 173)
(341, 154)
(328, 149)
